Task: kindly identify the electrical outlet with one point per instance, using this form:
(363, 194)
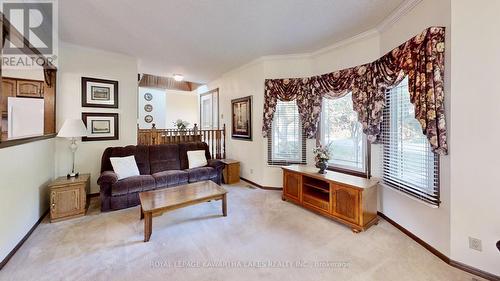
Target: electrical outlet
(251, 171)
(475, 244)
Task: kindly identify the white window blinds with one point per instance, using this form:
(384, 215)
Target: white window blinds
(286, 144)
(409, 165)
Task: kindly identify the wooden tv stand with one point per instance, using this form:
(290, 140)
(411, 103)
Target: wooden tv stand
(347, 199)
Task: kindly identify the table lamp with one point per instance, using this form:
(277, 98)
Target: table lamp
(73, 129)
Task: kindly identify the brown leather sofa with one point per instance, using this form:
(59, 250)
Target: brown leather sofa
(160, 166)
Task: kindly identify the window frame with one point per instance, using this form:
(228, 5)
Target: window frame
(303, 139)
(413, 192)
(340, 168)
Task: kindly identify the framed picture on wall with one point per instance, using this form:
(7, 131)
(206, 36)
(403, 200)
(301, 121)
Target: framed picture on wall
(100, 126)
(99, 93)
(241, 111)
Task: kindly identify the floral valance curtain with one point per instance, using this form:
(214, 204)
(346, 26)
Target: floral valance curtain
(420, 58)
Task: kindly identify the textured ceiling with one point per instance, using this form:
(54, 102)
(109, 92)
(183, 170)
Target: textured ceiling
(202, 39)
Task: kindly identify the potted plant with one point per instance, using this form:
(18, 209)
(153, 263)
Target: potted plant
(181, 125)
(321, 156)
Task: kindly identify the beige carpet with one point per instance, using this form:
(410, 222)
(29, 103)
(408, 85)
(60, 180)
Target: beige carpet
(263, 238)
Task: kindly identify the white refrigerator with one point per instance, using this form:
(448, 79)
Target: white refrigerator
(25, 117)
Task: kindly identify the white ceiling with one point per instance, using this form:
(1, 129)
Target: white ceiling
(202, 39)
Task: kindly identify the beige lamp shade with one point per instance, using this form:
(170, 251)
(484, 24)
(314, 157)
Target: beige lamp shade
(72, 128)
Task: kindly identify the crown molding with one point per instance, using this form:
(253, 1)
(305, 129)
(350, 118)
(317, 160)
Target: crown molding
(359, 37)
(399, 12)
(390, 20)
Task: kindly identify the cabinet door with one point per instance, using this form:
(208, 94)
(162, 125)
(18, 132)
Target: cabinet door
(8, 90)
(29, 89)
(232, 173)
(346, 203)
(65, 201)
(291, 185)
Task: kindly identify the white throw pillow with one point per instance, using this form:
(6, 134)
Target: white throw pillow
(124, 167)
(196, 158)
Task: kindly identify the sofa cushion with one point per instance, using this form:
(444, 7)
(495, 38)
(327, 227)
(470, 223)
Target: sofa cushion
(190, 146)
(164, 157)
(141, 153)
(170, 178)
(133, 184)
(196, 158)
(201, 174)
(124, 167)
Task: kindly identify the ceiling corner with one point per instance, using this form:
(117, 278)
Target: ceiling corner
(399, 12)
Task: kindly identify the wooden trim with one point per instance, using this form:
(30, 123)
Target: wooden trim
(443, 257)
(11, 253)
(416, 238)
(348, 172)
(93, 195)
(473, 270)
(261, 186)
(14, 142)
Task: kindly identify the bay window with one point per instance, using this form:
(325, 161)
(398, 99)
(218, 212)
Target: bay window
(287, 143)
(343, 134)
(409, 165)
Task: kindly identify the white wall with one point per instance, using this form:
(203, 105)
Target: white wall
(245, 81)
(469, 191)
(158, 103)
(249, 80)
(181, 105)
(356, 52)
(475, 159)
(26, 171)
(430, 224)
(75, 62)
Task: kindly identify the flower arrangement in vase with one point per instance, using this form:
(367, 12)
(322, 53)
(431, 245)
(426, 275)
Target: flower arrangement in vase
(181, 125)
(321, 156)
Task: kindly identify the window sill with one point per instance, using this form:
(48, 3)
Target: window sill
(381, 183)
(279, 165)
(14, 142)
(349, 172)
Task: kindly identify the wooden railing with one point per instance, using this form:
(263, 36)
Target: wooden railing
(215, 138)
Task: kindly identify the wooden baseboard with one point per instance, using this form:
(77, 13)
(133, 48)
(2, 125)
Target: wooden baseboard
(11, 253)
(424, 244)
(260, 186)
(437, 253)
(475, 271)
(92, 195)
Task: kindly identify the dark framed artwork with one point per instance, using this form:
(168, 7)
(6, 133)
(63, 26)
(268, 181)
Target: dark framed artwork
(99, 93)
(100, 126)
(241, 111)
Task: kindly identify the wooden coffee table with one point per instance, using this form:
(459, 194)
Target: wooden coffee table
(157, 202)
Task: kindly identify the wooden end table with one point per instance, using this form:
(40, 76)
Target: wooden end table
(231, 171)
(68, 197)
(157, 202)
